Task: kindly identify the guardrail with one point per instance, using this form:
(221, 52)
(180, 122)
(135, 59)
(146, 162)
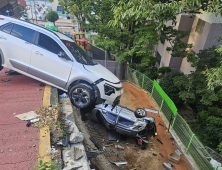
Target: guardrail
(193, 146)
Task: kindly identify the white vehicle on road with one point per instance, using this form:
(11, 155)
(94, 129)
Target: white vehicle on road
(55, 59)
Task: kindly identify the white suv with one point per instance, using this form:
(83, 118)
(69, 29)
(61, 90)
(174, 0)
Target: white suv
(55, 59)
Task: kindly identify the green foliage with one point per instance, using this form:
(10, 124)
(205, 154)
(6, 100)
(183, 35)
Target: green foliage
(162, 71)
(52, 16)
(23, 12)
(219, 147)
(219, 95)
(167, 84)
(47, 165)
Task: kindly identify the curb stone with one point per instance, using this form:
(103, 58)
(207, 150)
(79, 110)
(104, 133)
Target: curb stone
(82, 163)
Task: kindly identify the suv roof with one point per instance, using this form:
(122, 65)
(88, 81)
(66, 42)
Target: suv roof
(7, 19)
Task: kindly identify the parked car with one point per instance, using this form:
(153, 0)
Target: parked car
(124, 120)
(55, 59)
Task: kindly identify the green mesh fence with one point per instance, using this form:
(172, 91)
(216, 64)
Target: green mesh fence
(193, 146)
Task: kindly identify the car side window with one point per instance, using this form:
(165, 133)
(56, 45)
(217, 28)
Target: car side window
(110, 116)
(124, 121)
(23, 33)
(7, 29)
(49, 44)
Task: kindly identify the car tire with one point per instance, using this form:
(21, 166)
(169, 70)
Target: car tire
(82, 95)
(139, 113)
(1, 67)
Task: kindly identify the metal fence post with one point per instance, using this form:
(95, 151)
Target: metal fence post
(161, 105)
(189, 143)
(152, 91)
(173, 122)
(216, 167)
(143, 81)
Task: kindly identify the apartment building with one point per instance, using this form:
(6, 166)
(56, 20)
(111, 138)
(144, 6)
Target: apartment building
(204, 29)
(9, 8)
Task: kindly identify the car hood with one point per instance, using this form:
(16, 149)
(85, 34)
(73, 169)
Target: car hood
(102, 72)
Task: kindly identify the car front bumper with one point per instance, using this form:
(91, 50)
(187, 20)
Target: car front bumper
(109, 99)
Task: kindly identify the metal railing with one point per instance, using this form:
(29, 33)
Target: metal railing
(193, 146)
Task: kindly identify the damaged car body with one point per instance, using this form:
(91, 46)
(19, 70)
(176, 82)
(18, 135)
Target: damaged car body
(124, 120)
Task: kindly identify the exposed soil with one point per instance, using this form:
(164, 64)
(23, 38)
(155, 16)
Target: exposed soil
(133, 153)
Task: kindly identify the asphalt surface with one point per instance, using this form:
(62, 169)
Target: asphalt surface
(18, 143)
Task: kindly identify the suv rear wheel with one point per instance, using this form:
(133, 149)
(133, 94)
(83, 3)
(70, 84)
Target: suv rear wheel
(82, 95)
(139, 113)
(1, 67)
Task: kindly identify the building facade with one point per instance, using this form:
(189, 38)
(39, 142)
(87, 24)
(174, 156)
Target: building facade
(9, 8)
(204, 29)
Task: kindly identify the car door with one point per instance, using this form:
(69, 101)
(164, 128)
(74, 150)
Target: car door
(45, 62)
(123, 125)
(16, 43)
(109, 120)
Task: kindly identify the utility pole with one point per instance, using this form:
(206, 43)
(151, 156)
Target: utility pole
(31, 11)
(35, 12)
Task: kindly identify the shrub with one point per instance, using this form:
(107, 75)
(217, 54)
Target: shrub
(164, 70)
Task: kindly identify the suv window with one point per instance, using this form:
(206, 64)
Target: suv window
(124, 121)
(49, 44)
(7, 29)
(24, 33)
(110, 116)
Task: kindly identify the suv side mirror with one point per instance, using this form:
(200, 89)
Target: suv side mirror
(63, 55)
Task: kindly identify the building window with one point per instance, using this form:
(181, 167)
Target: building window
(162, 37)
(200, 26)
(158, 56)
(59, 8)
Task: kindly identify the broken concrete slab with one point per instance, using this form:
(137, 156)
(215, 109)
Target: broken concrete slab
(69, 163)
(76, 137)
(27, 116)
(72, 126)
(75, 153)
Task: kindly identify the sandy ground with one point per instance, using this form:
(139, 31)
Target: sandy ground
(133, 153)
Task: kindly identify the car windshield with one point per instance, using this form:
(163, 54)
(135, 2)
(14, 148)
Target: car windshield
(78, 53)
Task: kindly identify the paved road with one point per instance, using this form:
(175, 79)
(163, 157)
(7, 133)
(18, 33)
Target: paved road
(18, 143)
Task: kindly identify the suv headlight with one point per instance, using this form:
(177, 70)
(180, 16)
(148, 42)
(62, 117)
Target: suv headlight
(108, 90)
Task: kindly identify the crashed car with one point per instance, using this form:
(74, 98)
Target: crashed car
(124, 120)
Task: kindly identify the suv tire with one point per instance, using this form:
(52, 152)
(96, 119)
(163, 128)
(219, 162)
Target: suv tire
(139, 113)
(82, 95)
(1, 67)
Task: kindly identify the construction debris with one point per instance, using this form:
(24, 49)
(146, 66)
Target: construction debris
(4, 80)
(76, 137)
(173, 157)
(75, 153)
(159, 141)
(168, 166)
(98, 144)
(92, 154)
(27, 116)
(119, 163)
(120, 147)
(161, 155)
(112, 135)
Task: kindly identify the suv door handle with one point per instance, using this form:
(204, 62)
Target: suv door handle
(38, 53)
(2, 38)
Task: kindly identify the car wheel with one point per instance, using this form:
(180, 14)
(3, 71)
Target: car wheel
(1, 67)
(82, 95)
(139, 113)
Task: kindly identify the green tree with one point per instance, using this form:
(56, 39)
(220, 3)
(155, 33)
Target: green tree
(52, 16)
(23, 12)
(167, 84)
(193, 87)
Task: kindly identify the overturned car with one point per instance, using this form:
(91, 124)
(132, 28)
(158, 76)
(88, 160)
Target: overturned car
(124, 120)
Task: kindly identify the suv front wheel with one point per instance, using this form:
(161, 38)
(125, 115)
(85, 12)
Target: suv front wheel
(82, 95)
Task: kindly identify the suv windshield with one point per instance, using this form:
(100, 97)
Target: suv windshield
(78, 53)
